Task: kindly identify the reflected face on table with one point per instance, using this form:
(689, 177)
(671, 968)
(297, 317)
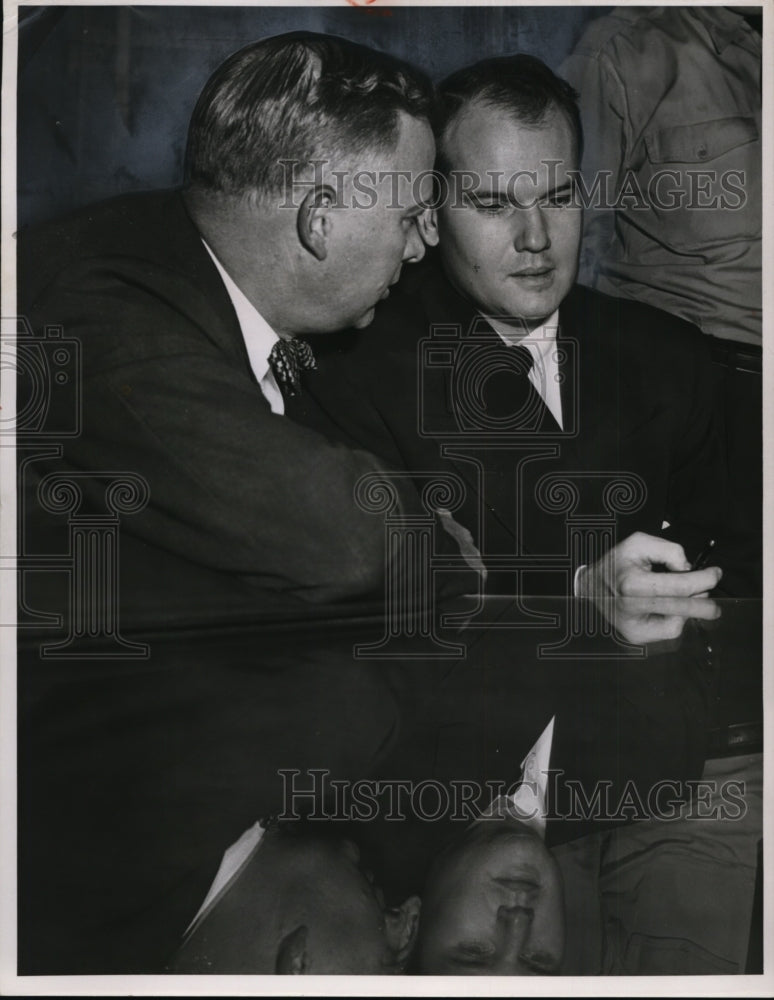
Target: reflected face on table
(302, 905)
(493, 905)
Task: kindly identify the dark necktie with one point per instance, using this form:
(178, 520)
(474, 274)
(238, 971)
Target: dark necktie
(288, 358)
(523, 392)
(508, 393)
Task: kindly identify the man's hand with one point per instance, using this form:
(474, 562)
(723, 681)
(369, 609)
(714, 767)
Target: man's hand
(649, 620)
(646, 566)
(645, 587)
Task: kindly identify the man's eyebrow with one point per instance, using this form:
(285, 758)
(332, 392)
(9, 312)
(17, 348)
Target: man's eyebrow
(540, 962)
(471, 949)
(487, 194)
(468, 961)
(481, 194)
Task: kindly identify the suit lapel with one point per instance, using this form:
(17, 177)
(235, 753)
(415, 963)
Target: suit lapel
(608, 410)
(590, 382)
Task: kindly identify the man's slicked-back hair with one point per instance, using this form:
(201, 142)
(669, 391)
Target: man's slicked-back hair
(521, 85)
(297, 97)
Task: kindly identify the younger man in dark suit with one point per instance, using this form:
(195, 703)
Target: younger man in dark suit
(554, 403)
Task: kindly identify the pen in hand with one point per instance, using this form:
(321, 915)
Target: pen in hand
(702, 558)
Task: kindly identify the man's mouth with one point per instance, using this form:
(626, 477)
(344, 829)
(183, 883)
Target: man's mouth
(535, 279)
(532, 272)
(524, 889)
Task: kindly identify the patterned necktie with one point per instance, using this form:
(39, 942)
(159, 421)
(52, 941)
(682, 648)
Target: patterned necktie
(288, 358)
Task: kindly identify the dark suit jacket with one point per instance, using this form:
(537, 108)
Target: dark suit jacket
(167, 392)
(637, 399)
(622, 726)
(135, 777)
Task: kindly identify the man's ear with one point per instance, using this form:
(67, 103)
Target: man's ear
(314, 221)
(428, 227)
(401, 928)
(291, 954)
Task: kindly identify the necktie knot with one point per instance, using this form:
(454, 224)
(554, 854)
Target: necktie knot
(288, 358)
(522, 357)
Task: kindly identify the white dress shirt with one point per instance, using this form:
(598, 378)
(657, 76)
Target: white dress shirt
(529, 802)
(258, 336)
(233, 863)
(541, 344)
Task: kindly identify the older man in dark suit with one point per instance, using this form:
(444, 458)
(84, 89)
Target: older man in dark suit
(187, 306)
(553, 402)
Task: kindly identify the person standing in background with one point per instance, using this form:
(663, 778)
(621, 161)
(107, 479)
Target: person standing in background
(670, 101)
(671, 109)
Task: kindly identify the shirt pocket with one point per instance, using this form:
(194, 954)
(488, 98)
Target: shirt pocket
(700, 143)
(702, 184)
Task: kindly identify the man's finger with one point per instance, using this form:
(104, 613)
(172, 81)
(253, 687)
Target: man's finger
(643, 583)
(644, 631)
(649, 550)
(700, 607)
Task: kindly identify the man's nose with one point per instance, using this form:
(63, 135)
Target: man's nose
(531, 230)
(518, 924)
(534, 941)
(415, 246)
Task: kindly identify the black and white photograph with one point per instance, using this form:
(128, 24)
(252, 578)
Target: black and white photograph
(382, 525)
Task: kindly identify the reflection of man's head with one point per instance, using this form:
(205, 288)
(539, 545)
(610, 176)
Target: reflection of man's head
(493, 905)
(508, 137)
(301, 904)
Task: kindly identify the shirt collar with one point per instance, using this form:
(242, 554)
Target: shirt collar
(529, 803)
(258, 336)
(724, 26)
(233, 863)
(539, 342)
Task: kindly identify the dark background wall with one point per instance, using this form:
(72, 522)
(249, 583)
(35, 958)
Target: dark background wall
(105, 93)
